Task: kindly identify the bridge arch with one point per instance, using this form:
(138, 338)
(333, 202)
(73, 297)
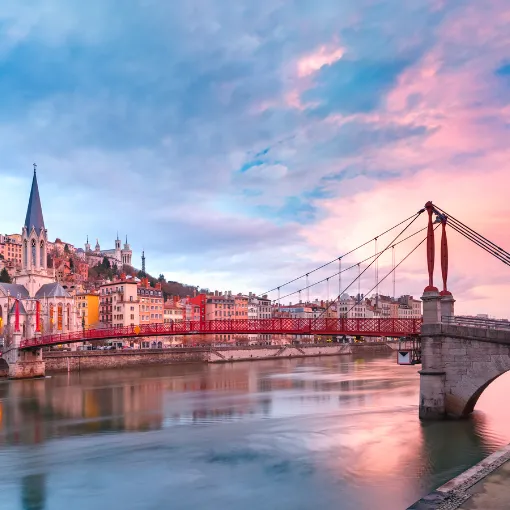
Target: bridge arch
(483, 382)
(4, 367)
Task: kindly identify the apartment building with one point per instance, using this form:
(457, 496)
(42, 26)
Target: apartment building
(172, 311)
(10, 248)
(151, 302)
(221, 306)
(119, 304)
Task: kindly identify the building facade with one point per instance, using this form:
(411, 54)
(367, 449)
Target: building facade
(35, 303)
(119, 305)
(88, 309)
(151, 302)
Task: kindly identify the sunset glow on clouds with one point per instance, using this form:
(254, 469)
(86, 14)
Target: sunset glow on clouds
(241, 145)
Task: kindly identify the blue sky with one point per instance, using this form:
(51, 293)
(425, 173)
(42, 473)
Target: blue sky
(237, 142)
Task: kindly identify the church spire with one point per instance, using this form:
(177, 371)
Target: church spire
(34, 218)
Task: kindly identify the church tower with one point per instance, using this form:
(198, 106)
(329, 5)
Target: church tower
(117, 249)
(34, 237)
(126, 253)
(87, 245)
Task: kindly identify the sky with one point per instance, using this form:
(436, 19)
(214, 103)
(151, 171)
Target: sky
(244, 143)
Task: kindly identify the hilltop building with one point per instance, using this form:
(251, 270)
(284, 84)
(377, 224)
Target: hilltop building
(117, 256)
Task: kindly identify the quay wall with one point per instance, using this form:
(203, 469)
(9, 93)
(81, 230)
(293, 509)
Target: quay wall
(272, 352)
(88, 360)
(93, 360)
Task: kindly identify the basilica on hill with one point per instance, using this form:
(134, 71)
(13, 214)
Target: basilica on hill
(44, 306)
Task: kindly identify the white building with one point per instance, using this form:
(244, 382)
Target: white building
(351, 308)
(35, 287)
(117, 256)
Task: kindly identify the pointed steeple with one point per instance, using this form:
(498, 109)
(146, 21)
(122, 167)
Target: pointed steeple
(34, 216)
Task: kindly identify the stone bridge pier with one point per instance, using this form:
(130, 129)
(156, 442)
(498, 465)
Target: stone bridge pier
(458, 362)
(22, 364)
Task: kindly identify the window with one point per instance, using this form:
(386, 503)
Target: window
(132, 317)
(41, 255)
(33, 253)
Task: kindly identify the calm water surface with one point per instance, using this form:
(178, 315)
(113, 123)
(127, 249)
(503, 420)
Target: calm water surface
(319, 433)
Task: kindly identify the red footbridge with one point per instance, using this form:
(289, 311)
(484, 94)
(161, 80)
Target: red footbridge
(277, 326)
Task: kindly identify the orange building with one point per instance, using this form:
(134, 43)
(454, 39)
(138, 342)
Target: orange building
(88, 308)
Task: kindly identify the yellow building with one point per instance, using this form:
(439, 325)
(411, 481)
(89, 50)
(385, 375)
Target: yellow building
(88, 308)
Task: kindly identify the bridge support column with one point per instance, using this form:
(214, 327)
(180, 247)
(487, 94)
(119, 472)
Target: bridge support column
(432, 375)
(447, 302)
(432, 395)
(431, 307)
(24, 364)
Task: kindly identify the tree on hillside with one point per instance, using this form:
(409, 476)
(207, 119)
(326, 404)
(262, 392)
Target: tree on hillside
(161, 278)
(71, 264)
(106, 263)
(66, 249)
(4, 276)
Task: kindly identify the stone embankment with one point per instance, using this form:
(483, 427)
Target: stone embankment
(483, 487)
(87, 360)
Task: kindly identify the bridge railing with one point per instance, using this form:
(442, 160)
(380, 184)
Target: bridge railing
(295, 326)
(475, 322)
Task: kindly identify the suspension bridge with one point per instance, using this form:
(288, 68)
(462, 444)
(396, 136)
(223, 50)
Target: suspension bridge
(459, 357)
(321, 325)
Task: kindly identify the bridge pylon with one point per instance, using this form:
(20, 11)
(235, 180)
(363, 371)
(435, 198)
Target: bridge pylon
(436, 305)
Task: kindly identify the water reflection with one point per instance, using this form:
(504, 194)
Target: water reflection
(33, 492)
(331, 432)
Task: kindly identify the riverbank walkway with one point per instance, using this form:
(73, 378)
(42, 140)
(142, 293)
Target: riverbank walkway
(486, 486)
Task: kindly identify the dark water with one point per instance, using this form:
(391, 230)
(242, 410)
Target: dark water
(320, 433)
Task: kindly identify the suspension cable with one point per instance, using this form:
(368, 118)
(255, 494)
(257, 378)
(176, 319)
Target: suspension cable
(345, 254)
(476, 238)
(368, 266)
(479, 243)
(339, 273)
(393, 266)
(487, 244)
(393, 269)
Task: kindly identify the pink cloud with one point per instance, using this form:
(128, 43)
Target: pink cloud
(463, 166)
(312, 62)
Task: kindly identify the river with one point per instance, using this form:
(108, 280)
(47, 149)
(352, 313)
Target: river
(319, 433)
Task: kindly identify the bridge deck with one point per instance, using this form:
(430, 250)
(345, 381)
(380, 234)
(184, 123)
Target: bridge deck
(278, 326)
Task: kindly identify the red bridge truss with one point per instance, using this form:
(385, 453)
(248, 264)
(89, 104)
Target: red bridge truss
(278, 326)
